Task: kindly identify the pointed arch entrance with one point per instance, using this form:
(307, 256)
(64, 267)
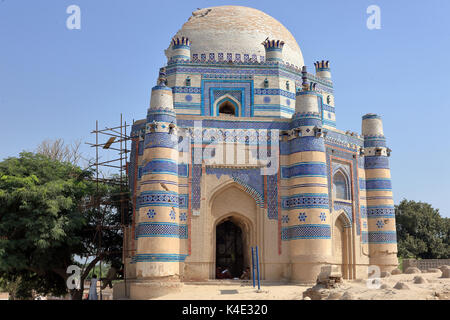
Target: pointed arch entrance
(234, 214)
(342, 244)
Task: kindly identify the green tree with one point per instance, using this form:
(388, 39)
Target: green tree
(48, 215)
(421, 231)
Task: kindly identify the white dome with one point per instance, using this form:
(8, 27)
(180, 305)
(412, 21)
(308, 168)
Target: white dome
(236, 29)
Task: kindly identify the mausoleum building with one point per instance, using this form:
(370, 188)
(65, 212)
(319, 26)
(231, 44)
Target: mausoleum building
(240, 148)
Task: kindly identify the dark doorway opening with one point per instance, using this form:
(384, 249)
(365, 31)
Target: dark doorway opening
(227, 108)
(229, 249)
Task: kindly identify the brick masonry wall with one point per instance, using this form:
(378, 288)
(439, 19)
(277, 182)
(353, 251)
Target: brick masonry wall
(424, 264)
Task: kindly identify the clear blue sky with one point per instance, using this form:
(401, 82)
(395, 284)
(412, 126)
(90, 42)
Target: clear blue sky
(56, 82)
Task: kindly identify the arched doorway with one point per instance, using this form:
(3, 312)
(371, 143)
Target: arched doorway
(230, 247)
(342, 244)
(229, 202)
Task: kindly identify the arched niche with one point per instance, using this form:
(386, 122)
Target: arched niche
(227, 106)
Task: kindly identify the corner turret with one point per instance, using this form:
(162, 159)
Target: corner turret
(274, 50)
(181, 49)
(323, 69)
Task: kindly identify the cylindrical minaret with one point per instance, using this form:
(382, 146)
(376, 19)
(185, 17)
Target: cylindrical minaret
(274, 50)
(309, 230)
(323, 69)
(158, 229)
(381, 235)
(181, 49)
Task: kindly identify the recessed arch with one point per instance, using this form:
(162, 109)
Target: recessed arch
(229, 104)
(242, 213)
(233, 183)
(342, 243)
(341, 185)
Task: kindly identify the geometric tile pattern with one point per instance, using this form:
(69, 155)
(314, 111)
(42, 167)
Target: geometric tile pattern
(301, 201)
(162, 229)
(381, 212)
(272, 196)
(158, 198)
(348, 209)
(159, 257)
(306, 231)
(382, 237)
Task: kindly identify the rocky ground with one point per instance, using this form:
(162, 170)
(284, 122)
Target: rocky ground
(412, 286)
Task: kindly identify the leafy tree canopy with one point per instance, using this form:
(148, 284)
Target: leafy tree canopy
(47, 216)
(421, 231)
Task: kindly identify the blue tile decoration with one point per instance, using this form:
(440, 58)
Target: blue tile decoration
(250, 179)
(303, 144)
(272, 196)
(348, 209)
(183, 200)
(158, 198)
(377, 141)
(342, 140)
(285, 219)
(363, 211)
(364, 237)
(183, 216)
(190, 90)
(302, 216)
(275, 92)
(159, 257)
(380, 212)
(306, 231)
(195, 186)
(151, 213)
(183, 170)
(380, 224)
(304, 169)
(221, 68)
(323, 216)
(160, 166)
(172, 214)
(348, 155)
(302, 201)
(362, 184)
(380, 237)
(210, 86)
(161, 140)
(378, 184)
(376, 162)
(162, 229)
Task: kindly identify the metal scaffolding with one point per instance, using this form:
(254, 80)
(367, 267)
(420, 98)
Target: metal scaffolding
(117, 146)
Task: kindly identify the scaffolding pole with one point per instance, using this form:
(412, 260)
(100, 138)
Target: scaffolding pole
(117, 142)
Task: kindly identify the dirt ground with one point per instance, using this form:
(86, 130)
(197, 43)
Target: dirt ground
(435, 288)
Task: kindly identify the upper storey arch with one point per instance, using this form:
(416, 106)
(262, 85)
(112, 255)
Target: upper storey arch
(227, 106)
(236, 30)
